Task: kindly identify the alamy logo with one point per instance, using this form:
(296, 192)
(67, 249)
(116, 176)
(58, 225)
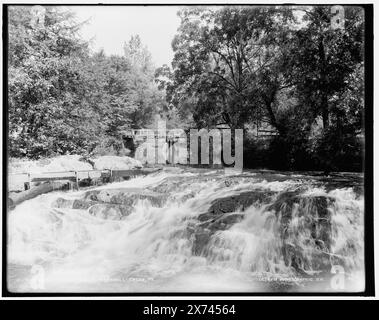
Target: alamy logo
(37, 281)
(337, 282)
(37, 16)
(221, 143)
(338, 17)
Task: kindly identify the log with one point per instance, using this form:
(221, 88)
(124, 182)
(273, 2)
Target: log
(53, 176)
(16, 198)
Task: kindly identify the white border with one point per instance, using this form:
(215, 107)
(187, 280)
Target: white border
(231, 298)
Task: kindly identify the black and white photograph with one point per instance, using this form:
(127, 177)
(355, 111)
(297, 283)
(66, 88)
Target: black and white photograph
(187, 149)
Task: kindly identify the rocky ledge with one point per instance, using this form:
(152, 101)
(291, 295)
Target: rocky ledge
(303, 226)
(113, 204)
(301, 222)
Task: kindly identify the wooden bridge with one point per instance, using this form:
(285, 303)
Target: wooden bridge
(52, 181)
(75, 177)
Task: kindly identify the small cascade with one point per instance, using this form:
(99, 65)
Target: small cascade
(189, 231)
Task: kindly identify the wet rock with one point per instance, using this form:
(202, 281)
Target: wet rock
(200, 241)
(109, 211)
(218, 213)
(62, 203)
(223, 213)
(81, 204)
(72, 204)
(240, 202)
(305, 229)
(179, 183)
(111, 204)
(126, 196)
(303, 224)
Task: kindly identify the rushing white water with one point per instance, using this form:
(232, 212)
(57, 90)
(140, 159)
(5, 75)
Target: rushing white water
(274, 246)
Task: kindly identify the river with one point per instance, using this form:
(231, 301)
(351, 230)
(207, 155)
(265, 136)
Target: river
(192, 231)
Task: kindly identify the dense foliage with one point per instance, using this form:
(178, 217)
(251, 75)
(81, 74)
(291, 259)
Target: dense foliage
(65, 99)
(284, 74)
(285, 69)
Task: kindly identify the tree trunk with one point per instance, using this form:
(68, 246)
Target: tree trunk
(16, 198)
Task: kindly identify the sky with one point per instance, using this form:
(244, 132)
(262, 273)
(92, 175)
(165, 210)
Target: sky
(110, 26)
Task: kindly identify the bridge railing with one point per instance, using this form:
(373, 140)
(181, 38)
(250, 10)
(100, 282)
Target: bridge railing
(76, 176)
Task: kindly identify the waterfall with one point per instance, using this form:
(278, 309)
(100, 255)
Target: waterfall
(190, 231)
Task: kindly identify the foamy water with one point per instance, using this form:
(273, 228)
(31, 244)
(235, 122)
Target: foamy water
(151, 250)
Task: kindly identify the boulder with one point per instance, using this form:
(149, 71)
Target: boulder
(72, 204)
(305, 229)
(303, 224)
(222, 214)
(238, 202)
(109, 211)
(113, 204)
(125, 196)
